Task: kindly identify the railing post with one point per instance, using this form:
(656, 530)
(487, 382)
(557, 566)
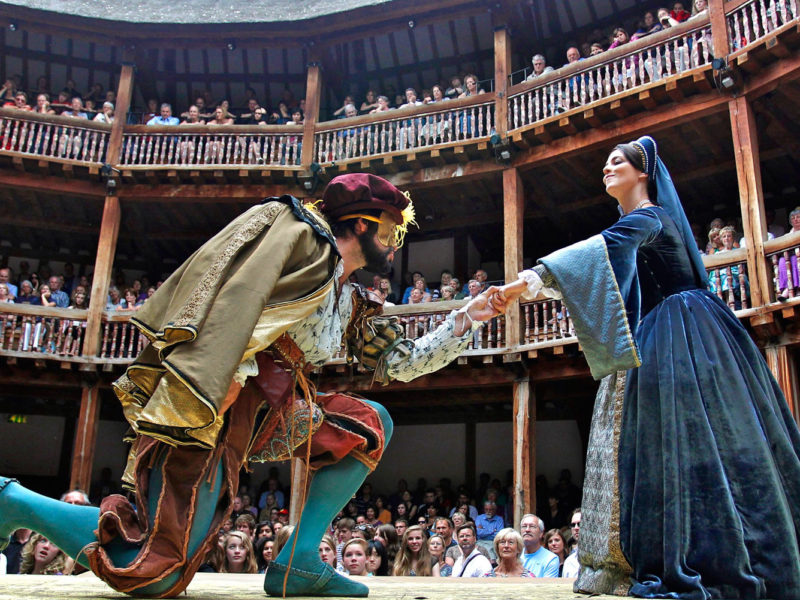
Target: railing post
(502, 68)
(85, 438)
(719, 28)
(751, 197)
(124, 92)
(784, 369)
(513, 213)
(313, 96)
(524, 449)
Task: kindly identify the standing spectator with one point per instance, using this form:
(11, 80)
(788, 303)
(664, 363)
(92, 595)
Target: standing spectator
(41, 557)
(783, 277)
(571, 565)
(540, 67)
(555, 542)
(536, 558)
(60, 298)
(471, 563)
(165, 118)
(413, 557)
(507, 546)
(487, 525)
(239, 555)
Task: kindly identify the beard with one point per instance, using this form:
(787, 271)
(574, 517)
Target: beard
(377, 260)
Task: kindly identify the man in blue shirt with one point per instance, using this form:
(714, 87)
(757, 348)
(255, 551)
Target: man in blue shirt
(487, 526)
(166, 117)
(535, 557)
(56, 295)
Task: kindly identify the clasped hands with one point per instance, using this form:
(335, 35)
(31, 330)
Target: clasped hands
(495, 300)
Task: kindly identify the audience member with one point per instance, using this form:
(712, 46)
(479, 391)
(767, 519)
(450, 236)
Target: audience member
(76, 109)
(555, 542)
(41, 557)
(571, 565)
(382, 105)
(264, 553)
(341, 112)
(354, 555)
(377, 559)
(648, 25)
(508, 546)
(239, 556)
(456, 87)
(55, 294)
(540, 67)
(370, 103)
(471, 563)
(679, 13)
(413, 557)
(327, 550)
(43, 105)
(471, 86)
(487, 525)
(165, 118)
(536, 558)
(13, 552)
(106, 115)
(437, 550)
(344, 533)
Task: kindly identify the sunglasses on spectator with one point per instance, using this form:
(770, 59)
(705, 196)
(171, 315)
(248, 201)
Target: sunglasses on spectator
(575, 524)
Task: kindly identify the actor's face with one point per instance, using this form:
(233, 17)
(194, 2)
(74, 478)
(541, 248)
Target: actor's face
(620, 176)
(378, 248)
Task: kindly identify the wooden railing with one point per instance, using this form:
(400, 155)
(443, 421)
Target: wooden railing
(602, 77)
(122, 341)
(546, 321)
(405, 130)
(38, 331)
(727, 277)
(211, 146)
(53, 137)
(756, 19)
(783, 254)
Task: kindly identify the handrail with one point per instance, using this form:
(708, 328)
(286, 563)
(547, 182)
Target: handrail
(28, 115)
(753, 20)
(783, 242)
(233, 129)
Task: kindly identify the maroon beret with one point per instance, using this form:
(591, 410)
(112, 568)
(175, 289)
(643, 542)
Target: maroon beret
(351, 193)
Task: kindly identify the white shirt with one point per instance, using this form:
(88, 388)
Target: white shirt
(3, 564)
(477, 565)
(571, 565)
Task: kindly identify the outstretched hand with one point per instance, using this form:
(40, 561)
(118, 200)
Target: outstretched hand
(481, 307)
(504, 296)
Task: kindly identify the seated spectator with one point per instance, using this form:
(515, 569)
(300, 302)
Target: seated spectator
(5, 295)
(471, 563)
(165, 118)
(151, 112)
(714, 243)
(62, 102)
(555, 542)
(44, 296)
(41, 557)
(783, 275)
(70, 89)
(106, 115)
(422, 286)
(129, 302)
(79, 300)
(539, 67)
(96, 94)
(438, 94)
(193, 116)
(76, 111)
(447, 293)
(456, 87)
(56, 294)
(699, 7)
(414, 276)
(20, 101)
(27, 295)
(596, 48)
(354, 556)
(619, 37)
(437, 550)
(382, 105)
(114, 298)
(344, 533)
(571, 564)
(471, 86)
(377, 559)
(239, 556)
(487, 525)
(297, 117)
(246, 523)
(370, 103)
(341, 112)
(415, 297)
(411, 98)
(282, 115)
(226, 106)
(678, 13)
(263, 552)
(8, 91)
(649, 25)
(413, 558)
(507, 547)
(573, 56)
(473, 288)
(220, 118)
(665, 18)
(43, 105)
(248, 117)
(535, 557)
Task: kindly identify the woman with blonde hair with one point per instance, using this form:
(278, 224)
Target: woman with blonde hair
(413, 558)
(508, 546)
(327, 550)
(437, 550)
(239, 556)
(40, 556)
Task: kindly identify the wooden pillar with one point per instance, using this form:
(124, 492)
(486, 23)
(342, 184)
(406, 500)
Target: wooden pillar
(109, 227)
(470, 463)
(460, 257)
(524, 449)
(313, 98)
(502, 68)
(751, 197)
(783, 368)
(719, 28)
(513, 214)
(85, 438)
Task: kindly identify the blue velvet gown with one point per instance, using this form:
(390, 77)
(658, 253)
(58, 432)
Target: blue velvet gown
(708, 468)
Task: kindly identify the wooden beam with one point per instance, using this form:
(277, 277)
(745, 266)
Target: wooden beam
(719, 28)
(446, 378)
(751, 196)
(783, 368)
(502, 69)
(104, 263)
(524, 426)
(205, 193)
(85, 438)
(49, 184)
(513, 219)
(124, 93)
(313, 98)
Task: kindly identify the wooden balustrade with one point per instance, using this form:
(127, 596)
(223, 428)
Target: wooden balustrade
(27, 134)
(38, 332)
(612, 73)
(213, 146)
(756, 19)
(783, 254)
(405, 130)
(727, 277)
(546, 321)
(122, 341)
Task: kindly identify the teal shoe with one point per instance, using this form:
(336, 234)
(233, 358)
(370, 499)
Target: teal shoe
(5, 536)
(324, 581)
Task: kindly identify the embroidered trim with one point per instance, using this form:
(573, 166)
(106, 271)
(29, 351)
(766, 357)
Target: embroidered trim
(631, 341)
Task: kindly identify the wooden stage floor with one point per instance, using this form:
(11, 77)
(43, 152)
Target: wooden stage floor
(211, 586)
